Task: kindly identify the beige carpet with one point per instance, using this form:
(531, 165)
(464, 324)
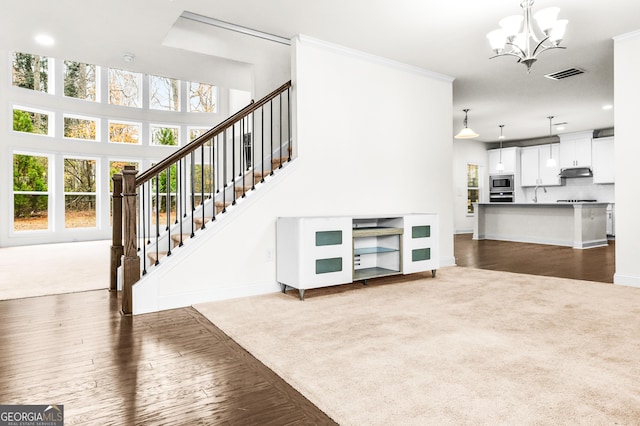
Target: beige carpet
(469, 347)
(40, 270)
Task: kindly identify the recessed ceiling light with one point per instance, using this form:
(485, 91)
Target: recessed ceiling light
(44, 39)
(560, 128)
(607, 107)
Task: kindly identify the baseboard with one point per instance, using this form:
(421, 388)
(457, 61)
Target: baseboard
(447, 261)
(626, 280)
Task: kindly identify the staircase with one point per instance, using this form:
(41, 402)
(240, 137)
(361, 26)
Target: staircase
(157, 213)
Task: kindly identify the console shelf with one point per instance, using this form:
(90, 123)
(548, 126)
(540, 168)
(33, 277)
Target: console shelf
(317, 252)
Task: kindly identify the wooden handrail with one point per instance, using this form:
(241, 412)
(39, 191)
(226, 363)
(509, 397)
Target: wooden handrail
(202, 139)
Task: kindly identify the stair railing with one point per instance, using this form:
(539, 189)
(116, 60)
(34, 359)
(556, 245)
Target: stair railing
(168, 203)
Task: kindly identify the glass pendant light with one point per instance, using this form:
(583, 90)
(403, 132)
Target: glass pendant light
(551, 162)
(500, 166)
(466, 132)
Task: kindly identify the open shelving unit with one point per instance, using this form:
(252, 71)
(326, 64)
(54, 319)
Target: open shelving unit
(315, 252)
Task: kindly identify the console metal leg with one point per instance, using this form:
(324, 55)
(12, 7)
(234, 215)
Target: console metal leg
(301, 291)
(433, 273)
(283, 287)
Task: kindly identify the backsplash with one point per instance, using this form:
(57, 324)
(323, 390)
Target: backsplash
(574, 189)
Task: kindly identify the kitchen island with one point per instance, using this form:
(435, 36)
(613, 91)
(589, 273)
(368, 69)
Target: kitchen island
(579, 225)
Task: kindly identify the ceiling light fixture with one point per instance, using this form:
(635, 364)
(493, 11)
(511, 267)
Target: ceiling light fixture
(128, 57)
(500, 166)
(607, 107)
(44, 39)
(551, 162)
(517, 32)
(466, 132)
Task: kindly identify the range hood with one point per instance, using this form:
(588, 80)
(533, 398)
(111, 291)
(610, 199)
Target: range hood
(576, 172)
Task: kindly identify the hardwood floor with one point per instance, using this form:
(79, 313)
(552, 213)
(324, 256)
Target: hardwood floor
(595, 264)
(175, 367)
(172, 367)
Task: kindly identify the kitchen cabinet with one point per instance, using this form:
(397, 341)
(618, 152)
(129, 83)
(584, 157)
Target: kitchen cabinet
(603, 160)
(313, 252)
(575, 149)
(509, 160)
(533, 166)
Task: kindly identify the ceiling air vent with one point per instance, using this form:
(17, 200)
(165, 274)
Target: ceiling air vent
(569, 72)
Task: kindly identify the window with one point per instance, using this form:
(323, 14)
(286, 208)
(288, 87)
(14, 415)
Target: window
(30, 192)
(125, 88)
(473, 190)
(194, 132)
(80, 81)
(76, 127)
(31, 72)
(123, 132)
(202, 97)
(164, 93)
(79, 193)
(31, 121)
(164, 135)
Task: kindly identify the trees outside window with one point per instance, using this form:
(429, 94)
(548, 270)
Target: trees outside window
(164, 135)
(80, 128)
(30, 192)
(79, 193)
(164, 93)
(80, 80)
(122, 132)
(125, 88)
(30, 71)
(473, 190)
(202, 97)
(30, 121)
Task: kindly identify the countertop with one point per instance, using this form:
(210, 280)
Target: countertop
(598, 204)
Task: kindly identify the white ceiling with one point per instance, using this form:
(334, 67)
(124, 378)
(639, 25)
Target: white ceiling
(447, 37)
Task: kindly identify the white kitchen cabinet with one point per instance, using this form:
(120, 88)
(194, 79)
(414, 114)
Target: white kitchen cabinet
(575, 149)
(603, 160)
(533, 166)
(509, 160)
(315, 252)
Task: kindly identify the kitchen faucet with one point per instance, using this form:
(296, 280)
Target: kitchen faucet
(535, 193)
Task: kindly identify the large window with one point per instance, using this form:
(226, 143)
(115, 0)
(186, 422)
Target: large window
(80, 81)
(164, 135)
(125, 88)
(31, 72)
(30, 192)
(164, 93)
(473, 190)
(202, 97)
(79, 193)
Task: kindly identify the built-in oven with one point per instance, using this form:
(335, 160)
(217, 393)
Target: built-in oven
(501, 197)
(501, 183)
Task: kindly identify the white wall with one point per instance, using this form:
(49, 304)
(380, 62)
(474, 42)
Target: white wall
(464, 152)
(627, 153)
(371, 137)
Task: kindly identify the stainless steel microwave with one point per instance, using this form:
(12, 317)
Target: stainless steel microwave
(500, 183)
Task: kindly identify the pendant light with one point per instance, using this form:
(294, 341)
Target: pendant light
(500, 166)
(466, 132)
(551, 162)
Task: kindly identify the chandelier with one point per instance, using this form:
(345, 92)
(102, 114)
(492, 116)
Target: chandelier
(517, 34)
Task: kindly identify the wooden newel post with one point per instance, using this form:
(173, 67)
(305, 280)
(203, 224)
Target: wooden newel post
(131, 261)
(117, 249)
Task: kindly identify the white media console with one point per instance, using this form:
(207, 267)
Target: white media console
(315, 252)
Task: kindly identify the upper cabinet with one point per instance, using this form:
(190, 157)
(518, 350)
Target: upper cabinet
(533, 166)
(603, 160)
(509, 160)
(575, 149)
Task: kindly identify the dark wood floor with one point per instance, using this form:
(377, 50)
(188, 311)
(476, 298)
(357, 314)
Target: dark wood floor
(175, 367)
(595, 264)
